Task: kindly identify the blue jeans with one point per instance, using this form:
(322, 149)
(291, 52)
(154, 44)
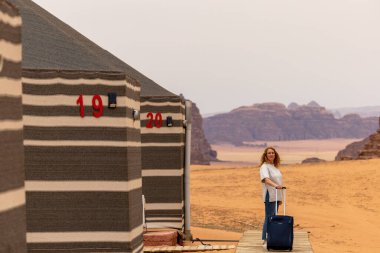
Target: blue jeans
(270, 210)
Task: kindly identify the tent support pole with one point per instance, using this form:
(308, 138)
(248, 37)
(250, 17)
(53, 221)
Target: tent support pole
(188, 235)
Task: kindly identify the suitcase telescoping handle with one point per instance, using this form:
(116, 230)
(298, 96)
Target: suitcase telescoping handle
(284, 198)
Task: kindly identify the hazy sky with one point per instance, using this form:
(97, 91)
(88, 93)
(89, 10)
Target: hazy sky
(224, 54)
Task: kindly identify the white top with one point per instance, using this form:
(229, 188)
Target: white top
(268, 170)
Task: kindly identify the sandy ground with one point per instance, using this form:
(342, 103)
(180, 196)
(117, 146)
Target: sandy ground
(337, 202)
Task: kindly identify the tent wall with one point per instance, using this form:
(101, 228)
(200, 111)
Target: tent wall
(12, 191)
(163, 161)
(83, 174)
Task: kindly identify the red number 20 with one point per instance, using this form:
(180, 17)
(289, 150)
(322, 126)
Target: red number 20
(157, 120)
(97, 105)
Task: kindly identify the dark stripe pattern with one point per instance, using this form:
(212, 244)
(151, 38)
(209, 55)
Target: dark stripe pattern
(10, 105)
(12, 232)
(176, 123)
(82, 163)
(11, 69)
(12, 163)
(165, 158)
(80, 133)
(12, 216)
(166, 193)
(168, 213)
(84, 211)
(67, 210)
(9, 33)
(163, 190)
(73, 111)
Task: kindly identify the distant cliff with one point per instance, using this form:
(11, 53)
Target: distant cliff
(367, 148)
(371, 147)
(201, 152)
(275, 121)
(352, 151)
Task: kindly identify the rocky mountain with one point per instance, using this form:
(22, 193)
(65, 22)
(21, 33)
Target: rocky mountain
(371, 148)
(351, 151)
(201, 152)
(365, 149)
(313, 160)
(275, 121)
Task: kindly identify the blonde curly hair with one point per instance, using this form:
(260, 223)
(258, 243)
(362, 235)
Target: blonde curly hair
(264, 158)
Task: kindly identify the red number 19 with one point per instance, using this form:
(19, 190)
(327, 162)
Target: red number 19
(97, 105)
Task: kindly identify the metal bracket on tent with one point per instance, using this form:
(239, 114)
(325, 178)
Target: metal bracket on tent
(135, 114)
(1, 62)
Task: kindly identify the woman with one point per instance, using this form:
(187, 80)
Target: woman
(271, 179)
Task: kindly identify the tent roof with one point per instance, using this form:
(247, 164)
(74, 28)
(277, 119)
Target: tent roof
(49, 43)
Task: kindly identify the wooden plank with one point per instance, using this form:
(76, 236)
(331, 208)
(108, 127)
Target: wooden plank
(251, 242)
(188, 248)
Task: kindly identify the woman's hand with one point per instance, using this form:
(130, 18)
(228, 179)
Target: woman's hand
(280, 187)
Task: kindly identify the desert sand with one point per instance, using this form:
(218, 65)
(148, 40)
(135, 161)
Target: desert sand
(337, 202)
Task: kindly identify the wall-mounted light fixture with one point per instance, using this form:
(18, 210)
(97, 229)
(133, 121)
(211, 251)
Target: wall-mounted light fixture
(169, 121)
(112, 100)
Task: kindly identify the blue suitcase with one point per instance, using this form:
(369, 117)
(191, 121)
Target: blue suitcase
(280, 230)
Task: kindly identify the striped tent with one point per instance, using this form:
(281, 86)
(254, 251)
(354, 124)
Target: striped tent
(49, 43)
(163, 140)
(82, 161)
(12, 193)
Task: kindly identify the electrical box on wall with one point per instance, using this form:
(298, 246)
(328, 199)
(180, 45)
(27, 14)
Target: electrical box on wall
(112, 100)
(169, 121)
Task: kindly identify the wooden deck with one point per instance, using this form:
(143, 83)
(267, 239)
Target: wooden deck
(251, 242)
